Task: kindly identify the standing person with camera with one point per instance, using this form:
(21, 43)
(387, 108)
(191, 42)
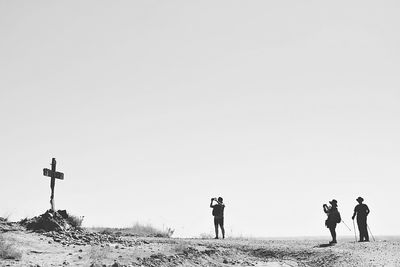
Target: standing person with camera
(333, 219)
(218, 213)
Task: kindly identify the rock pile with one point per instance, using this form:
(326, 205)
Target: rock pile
(64, 229)
(50, 221)
(82, 237)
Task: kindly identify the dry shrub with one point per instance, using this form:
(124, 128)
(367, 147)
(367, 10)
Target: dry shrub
(149, 230)
(5, 217)
(75, 221)
(8, 251)
(136, 230)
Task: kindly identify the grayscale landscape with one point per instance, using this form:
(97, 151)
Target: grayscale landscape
(129, 247)
(121, 120)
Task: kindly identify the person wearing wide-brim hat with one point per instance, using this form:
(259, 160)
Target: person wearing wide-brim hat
(333, 218)
(362, 211)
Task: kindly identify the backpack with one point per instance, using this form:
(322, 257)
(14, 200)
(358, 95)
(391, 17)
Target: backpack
(338, 219)
(214, 211)
(333, 218)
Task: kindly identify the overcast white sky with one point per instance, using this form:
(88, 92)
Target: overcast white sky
(153, 107)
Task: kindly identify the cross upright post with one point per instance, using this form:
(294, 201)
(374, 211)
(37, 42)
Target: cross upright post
(53, 174)
(52, 183)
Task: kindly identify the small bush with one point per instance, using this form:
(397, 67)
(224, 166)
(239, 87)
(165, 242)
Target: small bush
(75, 221)
(8, 251)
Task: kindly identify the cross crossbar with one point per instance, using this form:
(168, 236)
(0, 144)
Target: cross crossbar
(50, 173)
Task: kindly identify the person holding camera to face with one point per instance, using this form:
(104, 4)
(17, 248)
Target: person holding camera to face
(218, 213)
(333, 219)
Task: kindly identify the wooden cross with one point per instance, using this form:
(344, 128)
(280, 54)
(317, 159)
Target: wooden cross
(54, 175)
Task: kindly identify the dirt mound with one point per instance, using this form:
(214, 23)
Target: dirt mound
(51, 221)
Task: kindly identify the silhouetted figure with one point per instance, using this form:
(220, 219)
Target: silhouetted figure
(333, 219)
(218, 213)
(362, 211)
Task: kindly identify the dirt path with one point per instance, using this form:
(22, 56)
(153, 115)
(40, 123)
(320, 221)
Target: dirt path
(40, 250)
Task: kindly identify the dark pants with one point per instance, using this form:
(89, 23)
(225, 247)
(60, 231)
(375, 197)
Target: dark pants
(332, 229)
(362, 227)
(219, 221)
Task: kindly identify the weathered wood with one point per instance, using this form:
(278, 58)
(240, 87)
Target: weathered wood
(53, 174)
(49, 173)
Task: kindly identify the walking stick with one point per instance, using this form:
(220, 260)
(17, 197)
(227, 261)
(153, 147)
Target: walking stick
(355, 234)
(371, 233)
(346, 225)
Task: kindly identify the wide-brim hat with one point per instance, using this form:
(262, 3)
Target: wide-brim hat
(333, 202)
(360, 199)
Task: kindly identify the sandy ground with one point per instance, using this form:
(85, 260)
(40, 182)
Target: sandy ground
(40, 250)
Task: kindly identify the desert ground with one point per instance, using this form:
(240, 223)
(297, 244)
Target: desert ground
(88, 247)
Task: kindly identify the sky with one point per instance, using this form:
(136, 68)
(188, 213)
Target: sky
(151, 108)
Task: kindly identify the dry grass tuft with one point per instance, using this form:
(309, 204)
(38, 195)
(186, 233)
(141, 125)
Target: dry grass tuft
(75, 221)
(136, 230)
(8, 251)
(149, 230)
(206, 236)
(5, 217)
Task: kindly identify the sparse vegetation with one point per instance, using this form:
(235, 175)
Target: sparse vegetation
(136, 230)
(75, 221)
(206, 236)
(5, 217)
(8, 250)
